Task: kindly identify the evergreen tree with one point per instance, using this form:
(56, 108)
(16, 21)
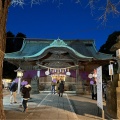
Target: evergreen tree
(12, 42)
(18, 41)
(9, 42)
(105, 48)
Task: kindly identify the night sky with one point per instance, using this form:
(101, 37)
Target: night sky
(68, 20)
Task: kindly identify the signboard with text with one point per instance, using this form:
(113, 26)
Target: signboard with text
(99, 88)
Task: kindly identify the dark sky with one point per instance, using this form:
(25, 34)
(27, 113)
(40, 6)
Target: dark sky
(67, 21)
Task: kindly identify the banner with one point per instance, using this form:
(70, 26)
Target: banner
(99, 88)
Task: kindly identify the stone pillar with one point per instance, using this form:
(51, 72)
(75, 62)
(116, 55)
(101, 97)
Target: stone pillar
(35, 85)
(118, 97)
(118, 88)
(111, 101)
(116, 47)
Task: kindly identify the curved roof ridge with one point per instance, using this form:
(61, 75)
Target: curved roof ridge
(58, 43)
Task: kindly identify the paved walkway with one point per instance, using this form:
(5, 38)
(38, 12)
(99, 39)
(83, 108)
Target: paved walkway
(52, 107)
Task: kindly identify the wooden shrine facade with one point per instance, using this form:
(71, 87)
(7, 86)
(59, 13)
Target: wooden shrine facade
(69, 60)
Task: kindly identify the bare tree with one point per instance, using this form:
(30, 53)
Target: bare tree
(4, 4)
(111, 6)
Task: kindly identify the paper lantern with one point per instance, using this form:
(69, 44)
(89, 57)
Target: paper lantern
(47, 72)
(90, 76)
(68, 73)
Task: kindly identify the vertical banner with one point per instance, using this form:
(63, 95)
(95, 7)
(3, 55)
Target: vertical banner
(38, 73)
(111, 69)
(99, 88)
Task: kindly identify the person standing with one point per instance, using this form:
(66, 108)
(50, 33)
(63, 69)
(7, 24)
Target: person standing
(104, 90)
(53, 87)
(13, 89)
(94, 91)
(57, 86)
(26, 95)
(23, 83)
(61, 89)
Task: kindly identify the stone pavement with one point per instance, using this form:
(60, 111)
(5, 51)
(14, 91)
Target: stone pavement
(47, 106)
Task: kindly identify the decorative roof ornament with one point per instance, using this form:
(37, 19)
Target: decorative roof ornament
(58, 42)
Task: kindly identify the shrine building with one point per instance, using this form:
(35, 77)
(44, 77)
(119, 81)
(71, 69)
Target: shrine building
(46, 60)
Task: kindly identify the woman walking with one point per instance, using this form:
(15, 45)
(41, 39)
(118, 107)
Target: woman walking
(26, 95)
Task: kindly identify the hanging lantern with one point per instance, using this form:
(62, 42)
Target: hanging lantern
(47, 72)
(68, 73)
(90, 76)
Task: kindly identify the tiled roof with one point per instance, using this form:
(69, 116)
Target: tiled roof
(83, 49)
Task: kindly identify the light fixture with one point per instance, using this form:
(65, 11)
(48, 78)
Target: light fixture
(19, 75)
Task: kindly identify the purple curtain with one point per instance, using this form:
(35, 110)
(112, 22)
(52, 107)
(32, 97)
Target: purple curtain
(31, 73)
(84, 75)
(42, 73)
(73, 73)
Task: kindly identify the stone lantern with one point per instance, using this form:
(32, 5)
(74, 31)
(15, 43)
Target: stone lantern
(116, 47)
(19, 75)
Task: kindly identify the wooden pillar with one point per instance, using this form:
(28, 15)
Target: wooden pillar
(118, 71)
(77, 74)
(79, 87)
